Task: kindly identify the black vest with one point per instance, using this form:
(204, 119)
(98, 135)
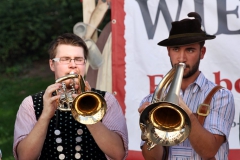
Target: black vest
(66, 138)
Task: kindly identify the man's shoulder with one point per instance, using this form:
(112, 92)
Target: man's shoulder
(222, 89)
(41, 93)
(101, 92)
(209, 85)
(218, 92)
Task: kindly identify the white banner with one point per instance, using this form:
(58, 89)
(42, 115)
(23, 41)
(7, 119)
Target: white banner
(146, 22)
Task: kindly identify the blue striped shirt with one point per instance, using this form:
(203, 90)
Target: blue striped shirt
(219, 120)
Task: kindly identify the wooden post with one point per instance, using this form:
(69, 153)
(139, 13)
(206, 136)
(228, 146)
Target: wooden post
(96, 18)
(88, 8)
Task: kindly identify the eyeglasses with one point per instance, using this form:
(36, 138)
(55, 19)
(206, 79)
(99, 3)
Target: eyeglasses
(67, 60)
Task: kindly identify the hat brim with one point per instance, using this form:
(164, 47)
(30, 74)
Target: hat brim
(184, 40)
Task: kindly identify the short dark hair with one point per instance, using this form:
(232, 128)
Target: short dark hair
(69, 39)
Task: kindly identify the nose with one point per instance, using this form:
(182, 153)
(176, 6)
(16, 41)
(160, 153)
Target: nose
(72, 63)
(182, 56)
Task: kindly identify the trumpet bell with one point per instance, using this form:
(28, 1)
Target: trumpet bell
(89, 108)
(164, 123)
(167, 116)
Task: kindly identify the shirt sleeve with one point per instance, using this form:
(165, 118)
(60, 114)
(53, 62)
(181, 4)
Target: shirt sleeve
(24, 123)
(115, 120)
(222, 115)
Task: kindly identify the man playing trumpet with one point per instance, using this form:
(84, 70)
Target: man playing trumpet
(210, 124)
(42, 131)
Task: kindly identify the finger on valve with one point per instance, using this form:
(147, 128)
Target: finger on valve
(87, 86)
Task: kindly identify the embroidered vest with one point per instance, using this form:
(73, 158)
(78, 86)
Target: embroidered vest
(66, 138)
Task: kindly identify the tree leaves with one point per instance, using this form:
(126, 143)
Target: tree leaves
(27, 28)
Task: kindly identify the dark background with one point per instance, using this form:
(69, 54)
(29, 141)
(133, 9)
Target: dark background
(27, 28)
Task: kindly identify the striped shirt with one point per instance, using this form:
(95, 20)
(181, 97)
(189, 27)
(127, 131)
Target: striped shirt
(219, 120)
(114, 120)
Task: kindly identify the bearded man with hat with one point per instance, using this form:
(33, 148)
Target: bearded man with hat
(210, 126)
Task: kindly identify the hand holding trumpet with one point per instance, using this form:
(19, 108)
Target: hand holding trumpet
(50, 102)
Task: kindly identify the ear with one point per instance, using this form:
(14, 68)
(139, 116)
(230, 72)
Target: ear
(203, 51)
(51, 65)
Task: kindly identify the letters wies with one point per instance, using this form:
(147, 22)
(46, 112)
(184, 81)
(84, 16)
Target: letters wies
(222, 14)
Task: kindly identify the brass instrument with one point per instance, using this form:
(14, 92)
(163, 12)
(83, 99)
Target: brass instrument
(164, 122)
(88, 107)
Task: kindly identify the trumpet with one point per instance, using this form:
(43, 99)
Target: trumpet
(88, 107)
(164, 122)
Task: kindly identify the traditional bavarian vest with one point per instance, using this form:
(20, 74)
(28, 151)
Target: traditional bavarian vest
(66, 138)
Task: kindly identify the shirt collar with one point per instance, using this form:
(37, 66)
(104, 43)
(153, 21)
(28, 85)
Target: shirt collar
(199, 82)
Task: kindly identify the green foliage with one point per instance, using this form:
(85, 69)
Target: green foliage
(27, 28)
(12, 92)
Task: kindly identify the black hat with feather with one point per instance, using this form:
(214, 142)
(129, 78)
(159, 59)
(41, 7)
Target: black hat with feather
(186, 31)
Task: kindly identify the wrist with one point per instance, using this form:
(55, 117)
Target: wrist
(44, 117)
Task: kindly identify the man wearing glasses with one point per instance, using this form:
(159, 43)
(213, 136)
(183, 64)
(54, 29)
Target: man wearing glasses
(43, 132)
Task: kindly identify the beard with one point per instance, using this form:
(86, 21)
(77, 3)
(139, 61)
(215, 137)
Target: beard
(192, 70)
